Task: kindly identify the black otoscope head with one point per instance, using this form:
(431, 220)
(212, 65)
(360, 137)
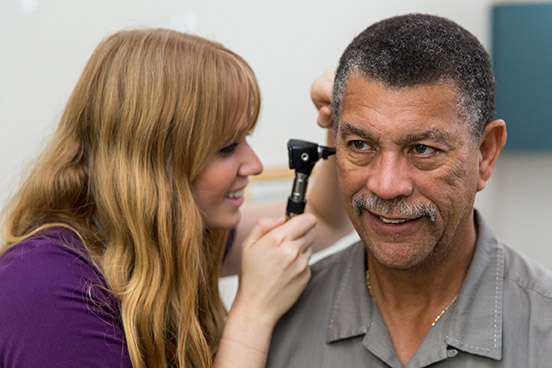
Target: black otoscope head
(303, 156)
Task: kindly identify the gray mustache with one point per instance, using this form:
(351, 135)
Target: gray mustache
(397, 207)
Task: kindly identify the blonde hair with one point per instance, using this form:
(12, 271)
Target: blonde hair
(151, 108)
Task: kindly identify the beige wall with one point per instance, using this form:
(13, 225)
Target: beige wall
(45, 43)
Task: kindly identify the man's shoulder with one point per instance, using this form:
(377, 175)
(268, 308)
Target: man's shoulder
(326, 276)
(526, 273)
(527, 307)
(334, 263)
(311, 316)
(326, 279)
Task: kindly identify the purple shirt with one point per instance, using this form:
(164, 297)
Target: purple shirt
(55, 309)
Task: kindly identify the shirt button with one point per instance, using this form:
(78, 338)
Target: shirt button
(452, 352)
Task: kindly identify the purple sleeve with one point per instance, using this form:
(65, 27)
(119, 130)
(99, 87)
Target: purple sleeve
(229, 242)
(50, 316)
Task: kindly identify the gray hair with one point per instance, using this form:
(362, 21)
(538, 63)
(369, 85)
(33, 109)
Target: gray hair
(417, 49)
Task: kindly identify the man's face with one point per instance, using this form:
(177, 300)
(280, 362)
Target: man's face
(408, 170)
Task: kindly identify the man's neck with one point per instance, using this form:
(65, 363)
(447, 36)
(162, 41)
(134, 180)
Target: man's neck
(411, 301)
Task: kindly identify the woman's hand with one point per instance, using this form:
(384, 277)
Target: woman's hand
(275, 266)
(274, 272)
(333, 222)
(321, 94)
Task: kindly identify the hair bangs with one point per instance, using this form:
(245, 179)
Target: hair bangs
(241, 99)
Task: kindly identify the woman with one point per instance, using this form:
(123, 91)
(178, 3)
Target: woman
(113, 243)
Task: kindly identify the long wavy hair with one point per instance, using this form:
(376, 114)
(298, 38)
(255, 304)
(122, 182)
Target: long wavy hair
(150, 110)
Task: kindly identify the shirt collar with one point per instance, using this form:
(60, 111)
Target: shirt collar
(475, 319)
(352, 307)
(475, 324)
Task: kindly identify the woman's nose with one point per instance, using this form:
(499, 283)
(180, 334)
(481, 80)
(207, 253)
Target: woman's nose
(251, 165)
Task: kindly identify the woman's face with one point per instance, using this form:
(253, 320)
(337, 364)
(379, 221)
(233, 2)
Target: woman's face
(218, 189)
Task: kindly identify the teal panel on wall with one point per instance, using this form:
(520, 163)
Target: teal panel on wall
(522, 61)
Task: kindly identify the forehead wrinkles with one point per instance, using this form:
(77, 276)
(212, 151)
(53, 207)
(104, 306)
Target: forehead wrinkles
(421, 113)
(374, 97)
(376, 89)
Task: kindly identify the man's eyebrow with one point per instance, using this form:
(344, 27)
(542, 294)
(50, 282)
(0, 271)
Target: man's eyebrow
(349, 129)
(432, 134)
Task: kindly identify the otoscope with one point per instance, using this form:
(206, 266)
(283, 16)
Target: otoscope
(303, 156)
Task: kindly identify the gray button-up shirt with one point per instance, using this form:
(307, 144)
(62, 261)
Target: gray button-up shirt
(502, 316)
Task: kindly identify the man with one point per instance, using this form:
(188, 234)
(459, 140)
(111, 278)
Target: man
(429, 284)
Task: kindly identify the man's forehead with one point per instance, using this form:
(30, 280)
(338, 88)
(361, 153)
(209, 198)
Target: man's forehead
(356, 82)
(372, 99)
(434, 119)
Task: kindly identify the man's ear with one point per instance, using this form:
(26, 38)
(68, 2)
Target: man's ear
(492, 142)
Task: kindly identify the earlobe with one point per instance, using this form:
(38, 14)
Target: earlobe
(492, 142)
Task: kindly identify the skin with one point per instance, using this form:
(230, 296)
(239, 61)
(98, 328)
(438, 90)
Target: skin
(218, 189)
(407, 144)
(332, 222)
(410, 144)
(272, 254)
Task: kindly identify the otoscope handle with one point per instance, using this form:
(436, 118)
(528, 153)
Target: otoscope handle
(303, 156)
(296, 201)
(295, 208)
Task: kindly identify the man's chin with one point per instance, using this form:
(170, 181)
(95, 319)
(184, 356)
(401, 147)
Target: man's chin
(397, 255)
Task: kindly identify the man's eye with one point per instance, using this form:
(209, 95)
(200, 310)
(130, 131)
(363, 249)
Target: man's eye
(360, 145)
(422, 149)
(226, 150)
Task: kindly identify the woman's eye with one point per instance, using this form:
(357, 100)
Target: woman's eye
(226, 150)
(422, 149)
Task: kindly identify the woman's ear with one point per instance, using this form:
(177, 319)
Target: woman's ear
(492, 142)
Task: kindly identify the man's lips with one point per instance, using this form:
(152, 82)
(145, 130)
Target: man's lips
(392, 223)
(389, 220)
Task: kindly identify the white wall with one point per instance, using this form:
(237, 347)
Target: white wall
(44, 45)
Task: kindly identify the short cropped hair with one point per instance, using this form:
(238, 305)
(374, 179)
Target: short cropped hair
(417, 49)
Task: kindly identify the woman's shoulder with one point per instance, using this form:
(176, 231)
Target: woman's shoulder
(51, 264)
(54, 254)
(51, 294)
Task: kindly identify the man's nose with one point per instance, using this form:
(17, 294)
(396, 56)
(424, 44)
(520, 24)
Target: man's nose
(389, 176)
